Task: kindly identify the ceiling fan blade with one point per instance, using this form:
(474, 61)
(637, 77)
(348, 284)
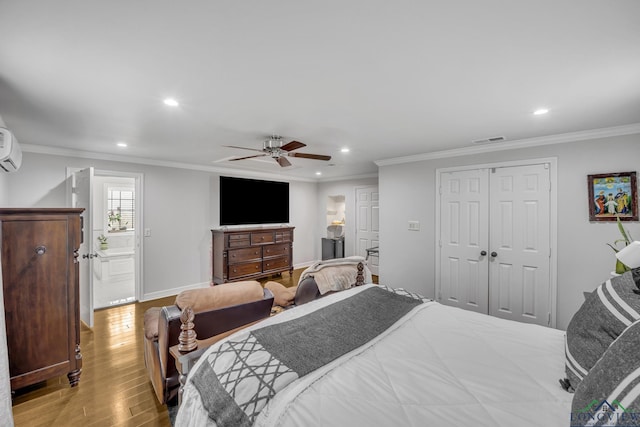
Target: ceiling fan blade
(242, 148)
(310, 156)
(293, 145)
(282, 161)
(247, 157)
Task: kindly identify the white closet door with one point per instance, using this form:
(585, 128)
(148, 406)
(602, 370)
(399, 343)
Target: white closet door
(519, 287)
(464, 219)
(368, 224)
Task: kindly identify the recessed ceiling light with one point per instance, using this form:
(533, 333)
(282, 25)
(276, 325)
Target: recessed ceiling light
(171, 102)
(121, 144)
(345, 150)
(318, 173)
(540, 111)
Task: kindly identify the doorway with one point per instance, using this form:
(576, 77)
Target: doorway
(333, 243)
(114, 225)
(112, 203)
(496, 228)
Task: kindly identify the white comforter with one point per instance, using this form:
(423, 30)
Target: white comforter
(438, 366)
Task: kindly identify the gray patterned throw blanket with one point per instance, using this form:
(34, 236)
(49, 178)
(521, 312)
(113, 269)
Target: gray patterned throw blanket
(241, 375)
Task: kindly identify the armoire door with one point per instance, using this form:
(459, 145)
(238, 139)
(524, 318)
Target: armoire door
(494, 241)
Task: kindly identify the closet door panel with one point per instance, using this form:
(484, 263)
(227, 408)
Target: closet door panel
(463, 280)
(519, 223)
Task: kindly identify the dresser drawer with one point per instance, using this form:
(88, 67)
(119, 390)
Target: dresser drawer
(244, 255)
(239, 240)
(260, 238)
(284, 236)
(276, 264)
(246, 269)
(276, 250)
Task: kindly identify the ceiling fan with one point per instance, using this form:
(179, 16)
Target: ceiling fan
(273, 147)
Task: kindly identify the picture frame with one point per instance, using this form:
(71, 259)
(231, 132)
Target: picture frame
(612, 196)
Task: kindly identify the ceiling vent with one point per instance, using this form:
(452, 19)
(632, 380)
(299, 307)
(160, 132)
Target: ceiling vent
(10, 152)
(489, 140)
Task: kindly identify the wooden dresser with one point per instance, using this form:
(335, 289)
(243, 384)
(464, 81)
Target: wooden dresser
(41, 295)
(251, 253)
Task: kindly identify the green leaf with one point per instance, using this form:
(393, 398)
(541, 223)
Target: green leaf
(622, 231)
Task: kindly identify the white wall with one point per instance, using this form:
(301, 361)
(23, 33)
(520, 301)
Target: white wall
(407, 192)
(4, 190)
(180, 207)
(346, 188)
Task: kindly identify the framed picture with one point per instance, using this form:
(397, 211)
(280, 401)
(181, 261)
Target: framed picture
(613, 195)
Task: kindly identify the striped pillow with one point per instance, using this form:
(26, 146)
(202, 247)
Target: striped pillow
(611, 391)
(605, 313)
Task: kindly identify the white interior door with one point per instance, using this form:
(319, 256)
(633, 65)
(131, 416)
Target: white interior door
(464, 237)
(82, 197)
(519, 285)
(494, 242)
(368, 224)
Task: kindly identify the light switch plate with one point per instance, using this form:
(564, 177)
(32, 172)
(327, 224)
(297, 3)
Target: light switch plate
(414, 225)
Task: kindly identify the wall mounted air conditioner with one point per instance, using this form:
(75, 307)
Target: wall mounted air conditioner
(10, 152)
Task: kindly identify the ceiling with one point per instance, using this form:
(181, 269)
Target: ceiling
(385, 79)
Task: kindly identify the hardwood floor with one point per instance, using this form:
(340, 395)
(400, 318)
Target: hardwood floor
(114, 388)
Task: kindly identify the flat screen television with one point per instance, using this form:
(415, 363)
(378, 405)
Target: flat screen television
(252, 201)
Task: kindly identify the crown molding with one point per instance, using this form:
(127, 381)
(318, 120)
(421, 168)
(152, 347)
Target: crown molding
(521, 143)
(66, 152)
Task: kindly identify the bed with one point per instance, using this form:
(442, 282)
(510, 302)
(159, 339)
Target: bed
(426, 364)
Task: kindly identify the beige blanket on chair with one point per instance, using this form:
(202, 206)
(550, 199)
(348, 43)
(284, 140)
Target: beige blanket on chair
(336, 274)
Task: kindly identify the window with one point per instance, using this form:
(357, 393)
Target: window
(120, 208)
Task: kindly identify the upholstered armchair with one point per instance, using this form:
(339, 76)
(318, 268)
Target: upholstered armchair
(320, 279)
(219, 310)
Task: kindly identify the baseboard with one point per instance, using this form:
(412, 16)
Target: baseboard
(173, 291)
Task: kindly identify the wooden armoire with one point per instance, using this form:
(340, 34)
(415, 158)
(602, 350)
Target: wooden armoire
(39, 254)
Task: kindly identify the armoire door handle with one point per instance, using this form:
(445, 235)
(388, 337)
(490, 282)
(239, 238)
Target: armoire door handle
(494, 254)
(483, 253)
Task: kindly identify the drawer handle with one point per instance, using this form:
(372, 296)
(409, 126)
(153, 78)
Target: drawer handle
(40, 250)
(256, 267)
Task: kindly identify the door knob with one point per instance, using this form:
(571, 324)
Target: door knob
(494, 254)
(483, 253)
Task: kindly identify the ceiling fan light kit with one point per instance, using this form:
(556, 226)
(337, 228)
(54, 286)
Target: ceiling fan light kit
(273, 147)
